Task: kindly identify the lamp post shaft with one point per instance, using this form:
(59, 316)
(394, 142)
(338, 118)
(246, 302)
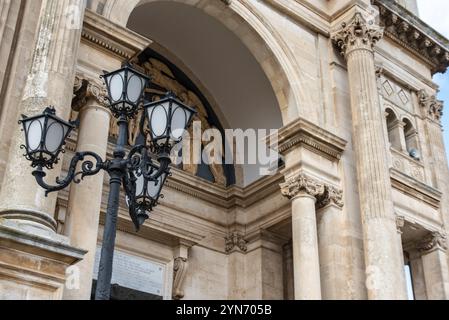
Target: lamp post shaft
(116, 172)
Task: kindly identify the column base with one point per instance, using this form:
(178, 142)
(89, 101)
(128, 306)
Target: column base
(33, 267)
(30, 221)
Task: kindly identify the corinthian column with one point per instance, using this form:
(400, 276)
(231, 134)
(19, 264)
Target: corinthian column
(49, 82)
(85, 199)
(303, 192)
(385, 273)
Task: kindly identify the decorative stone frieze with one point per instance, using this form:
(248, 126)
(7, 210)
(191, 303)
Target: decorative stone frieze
(235, 240)
(359, 33)
(432, 106)
(179, 273)
(303, 133)
(432, 242)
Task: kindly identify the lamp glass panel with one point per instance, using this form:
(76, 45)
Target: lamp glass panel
(116, 84)
(34, 132)
(158, 117)
(135, 87)
(155, 187)
(178, 122)
(55, 135)
(139, 185)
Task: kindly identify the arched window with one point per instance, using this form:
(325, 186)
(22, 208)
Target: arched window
(393, 129)
(411, 139)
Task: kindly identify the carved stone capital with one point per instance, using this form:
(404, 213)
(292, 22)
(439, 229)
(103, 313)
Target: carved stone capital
(331, 195)
(434, 241)
(302, 184)
(86, 89)
(179, 274)
(357, 34)
(432, 106)
(235, 240)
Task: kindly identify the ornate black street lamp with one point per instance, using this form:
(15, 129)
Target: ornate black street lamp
(142, 172)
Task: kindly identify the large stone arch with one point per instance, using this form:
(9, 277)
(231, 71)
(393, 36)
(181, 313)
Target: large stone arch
(254, 33)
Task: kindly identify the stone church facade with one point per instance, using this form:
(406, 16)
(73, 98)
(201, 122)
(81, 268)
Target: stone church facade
(359, 208)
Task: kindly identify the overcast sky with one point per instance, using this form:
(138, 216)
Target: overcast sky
(436, 14)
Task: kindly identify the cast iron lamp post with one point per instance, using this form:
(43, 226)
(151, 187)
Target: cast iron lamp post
(142, 171)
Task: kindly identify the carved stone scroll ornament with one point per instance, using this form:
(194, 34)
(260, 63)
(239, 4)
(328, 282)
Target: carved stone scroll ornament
(86, 89)
(179, 274)
(434, 241)
(302, 184)
(432, 106)
(400, 224)
(235, 239)
(359, 33)
(331, 195)
(324, 194)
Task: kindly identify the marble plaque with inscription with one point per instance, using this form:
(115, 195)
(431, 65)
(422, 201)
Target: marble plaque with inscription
(135, 272)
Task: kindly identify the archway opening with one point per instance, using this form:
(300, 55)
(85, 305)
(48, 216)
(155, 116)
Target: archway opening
(238, 91)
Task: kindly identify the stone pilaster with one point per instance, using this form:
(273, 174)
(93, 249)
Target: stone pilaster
(85, 198)
(49, 82)
(27, 227)
(435, 267)
(432, 112)
(261, 275)
(303, 192)
(385, 276)
(337, 280)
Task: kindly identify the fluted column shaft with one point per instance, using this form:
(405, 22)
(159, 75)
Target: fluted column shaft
(384, 271)
(49, 82)
(85, 199)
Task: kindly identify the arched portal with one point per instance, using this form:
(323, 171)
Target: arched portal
(252, 32)
(238, 70)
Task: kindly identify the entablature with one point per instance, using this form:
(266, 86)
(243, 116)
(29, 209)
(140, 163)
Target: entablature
(410, 32)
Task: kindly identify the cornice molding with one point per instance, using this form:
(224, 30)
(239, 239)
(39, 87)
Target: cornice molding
(413, 34)
(110, 37)
(415, 189)
(302, 132)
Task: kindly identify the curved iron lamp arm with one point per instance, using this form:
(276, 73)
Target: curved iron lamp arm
(88, 168)
(138, 158)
